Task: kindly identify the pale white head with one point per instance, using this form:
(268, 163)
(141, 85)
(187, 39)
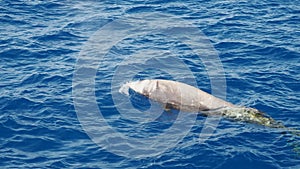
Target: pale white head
(139, 86)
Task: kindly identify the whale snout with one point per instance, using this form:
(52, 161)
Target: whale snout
(124, 89)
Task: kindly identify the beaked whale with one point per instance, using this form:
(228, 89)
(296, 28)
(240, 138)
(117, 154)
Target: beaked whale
(181, 96)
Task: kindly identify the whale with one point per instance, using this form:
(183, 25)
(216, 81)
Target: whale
(187, 98)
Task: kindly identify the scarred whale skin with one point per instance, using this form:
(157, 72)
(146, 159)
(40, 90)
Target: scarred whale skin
(181, 96)
(177, 95)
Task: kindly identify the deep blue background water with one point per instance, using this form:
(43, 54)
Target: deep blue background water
(258, 43)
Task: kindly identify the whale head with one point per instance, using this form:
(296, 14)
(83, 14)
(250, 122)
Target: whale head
(143, 87)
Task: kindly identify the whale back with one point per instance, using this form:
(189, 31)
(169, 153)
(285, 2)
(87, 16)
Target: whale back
(177, 95)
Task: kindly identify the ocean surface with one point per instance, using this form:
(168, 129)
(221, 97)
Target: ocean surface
(62, 64)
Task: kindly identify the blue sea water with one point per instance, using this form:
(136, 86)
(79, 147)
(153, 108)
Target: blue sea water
(41, 42)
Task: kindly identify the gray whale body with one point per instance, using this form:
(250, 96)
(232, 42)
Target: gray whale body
(181, 96)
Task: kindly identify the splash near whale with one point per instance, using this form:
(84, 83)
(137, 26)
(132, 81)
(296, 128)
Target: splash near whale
(181, 96)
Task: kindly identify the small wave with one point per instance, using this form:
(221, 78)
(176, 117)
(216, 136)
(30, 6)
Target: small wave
(14, 53)
(19, 104)
(57, 36)
(33, 79)
(139, 9)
